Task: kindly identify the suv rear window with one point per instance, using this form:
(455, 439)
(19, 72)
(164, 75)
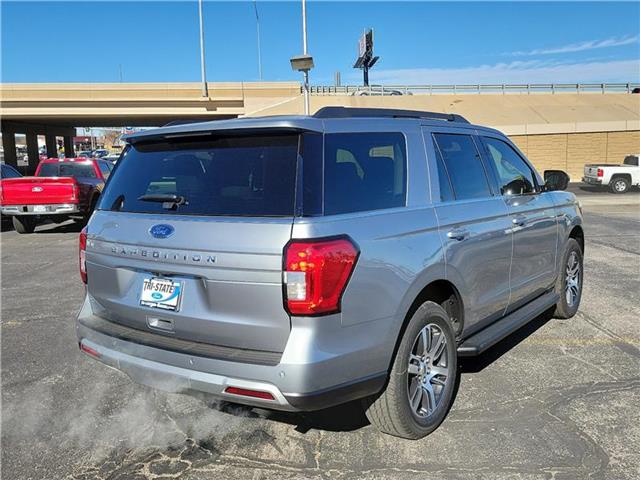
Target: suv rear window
(67, 169)
(236, 176)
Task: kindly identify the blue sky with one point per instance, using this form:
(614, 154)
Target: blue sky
(419, 42)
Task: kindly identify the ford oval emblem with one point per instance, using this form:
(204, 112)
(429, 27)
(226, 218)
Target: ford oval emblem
(162, 230)
(36, 189)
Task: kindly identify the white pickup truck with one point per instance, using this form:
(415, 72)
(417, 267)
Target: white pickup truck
(619, 178)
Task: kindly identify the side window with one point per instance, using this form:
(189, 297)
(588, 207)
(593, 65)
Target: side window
(514, 175)
(104, 168)
(364, 171)
(464, 165)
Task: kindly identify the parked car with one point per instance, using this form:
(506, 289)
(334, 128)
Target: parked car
(295, 263)
(60, 189)
(100, 152)
(378, 91)
(112, 157)
(85, 154)
(7, 171)
(619, 178)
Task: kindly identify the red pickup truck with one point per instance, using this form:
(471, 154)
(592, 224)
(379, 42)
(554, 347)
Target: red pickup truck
(61, 189)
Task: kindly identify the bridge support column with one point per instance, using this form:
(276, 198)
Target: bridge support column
(52, 146)
(68, 147)
(32, 152)
(9, 146)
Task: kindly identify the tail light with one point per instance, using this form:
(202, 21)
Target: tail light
(316, 273)
(74, 191)
(82, 254)
(600, 172)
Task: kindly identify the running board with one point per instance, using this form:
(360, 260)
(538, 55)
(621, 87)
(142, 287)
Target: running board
(489, 336)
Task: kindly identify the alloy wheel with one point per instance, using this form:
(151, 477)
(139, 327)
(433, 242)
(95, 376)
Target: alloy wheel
(428, 370)
(572, 279)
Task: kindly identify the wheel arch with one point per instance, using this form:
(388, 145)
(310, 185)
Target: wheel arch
(626, 176)
(438, 290)
(577, 233)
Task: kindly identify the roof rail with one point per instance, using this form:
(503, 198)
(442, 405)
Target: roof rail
(343, 112)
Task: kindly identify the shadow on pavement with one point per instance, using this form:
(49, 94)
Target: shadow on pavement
(341, 418)
(479, 363)
(66, 227)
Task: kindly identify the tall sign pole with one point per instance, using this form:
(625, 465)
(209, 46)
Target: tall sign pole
(203, 73)
(365, 59)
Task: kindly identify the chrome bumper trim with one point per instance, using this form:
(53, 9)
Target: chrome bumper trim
(50, 209)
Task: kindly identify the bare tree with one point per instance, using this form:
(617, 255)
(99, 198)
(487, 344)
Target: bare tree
(111, 137)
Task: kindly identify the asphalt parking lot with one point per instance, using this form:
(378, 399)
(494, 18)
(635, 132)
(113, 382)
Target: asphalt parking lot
(557, 400)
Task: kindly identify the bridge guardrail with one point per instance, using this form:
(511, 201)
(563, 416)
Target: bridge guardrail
(478, 89)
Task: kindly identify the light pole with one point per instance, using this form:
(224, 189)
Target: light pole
(205, 91)
(303, 63)
(255, 8)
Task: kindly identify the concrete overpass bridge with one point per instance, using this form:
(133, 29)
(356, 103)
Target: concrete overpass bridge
(54, 110)
(557, 128)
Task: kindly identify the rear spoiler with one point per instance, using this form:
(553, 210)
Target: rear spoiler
(240, 126)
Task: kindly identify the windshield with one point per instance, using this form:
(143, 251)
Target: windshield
(66, 169)
(236, 176)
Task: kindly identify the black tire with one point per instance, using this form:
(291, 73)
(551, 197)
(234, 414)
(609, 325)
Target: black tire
(23, 223)
(566, 308)
(619, 185)
(391, 411)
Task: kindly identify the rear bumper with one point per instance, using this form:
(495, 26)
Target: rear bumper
(309, 375)
(46, 209)
(592, 180)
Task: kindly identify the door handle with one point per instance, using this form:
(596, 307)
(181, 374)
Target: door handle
(457, 234)
(519, 220)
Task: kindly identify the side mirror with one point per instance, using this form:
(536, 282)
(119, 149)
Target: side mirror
(555, 180)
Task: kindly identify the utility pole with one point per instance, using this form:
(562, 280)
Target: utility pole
(303, 63)
(255, 8)
(305, 53)
(205, 90)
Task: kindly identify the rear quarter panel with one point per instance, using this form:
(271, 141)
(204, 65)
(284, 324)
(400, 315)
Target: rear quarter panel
(400, 253)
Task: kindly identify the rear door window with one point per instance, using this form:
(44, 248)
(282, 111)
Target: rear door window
(236, 176)
(463, 164)
(364, 171)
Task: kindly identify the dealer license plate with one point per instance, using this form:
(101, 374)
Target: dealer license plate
(161, 293)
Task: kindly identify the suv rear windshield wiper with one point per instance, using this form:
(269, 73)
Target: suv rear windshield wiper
(169, 201)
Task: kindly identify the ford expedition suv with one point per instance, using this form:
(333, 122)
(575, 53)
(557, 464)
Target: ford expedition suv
(296, 263)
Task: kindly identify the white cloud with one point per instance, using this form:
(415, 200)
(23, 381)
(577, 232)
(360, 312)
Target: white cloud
(579, 47)
(533, 71)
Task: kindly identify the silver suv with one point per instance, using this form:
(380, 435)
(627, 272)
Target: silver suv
(296, 263)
